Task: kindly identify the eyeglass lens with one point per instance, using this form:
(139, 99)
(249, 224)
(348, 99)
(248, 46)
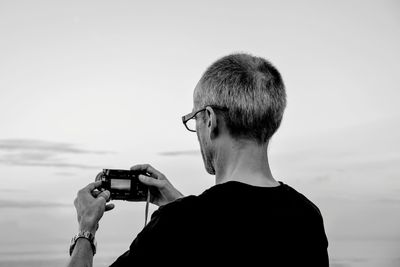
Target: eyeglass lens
(191, 124)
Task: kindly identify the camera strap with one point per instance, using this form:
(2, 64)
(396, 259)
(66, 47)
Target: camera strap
(147, 207)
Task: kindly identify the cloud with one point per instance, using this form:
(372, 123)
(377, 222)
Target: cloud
(40, 145)
(321, 179)
(389, 200)
(65, 173)
(30, 152)
(12, 190)
(16, 162)
(180, 153)
(4, 204)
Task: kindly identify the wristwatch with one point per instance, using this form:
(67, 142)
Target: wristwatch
(83, 234)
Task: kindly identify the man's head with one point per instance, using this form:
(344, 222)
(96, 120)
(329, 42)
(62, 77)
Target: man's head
(253, 92)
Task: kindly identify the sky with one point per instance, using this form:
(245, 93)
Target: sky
(87, 85)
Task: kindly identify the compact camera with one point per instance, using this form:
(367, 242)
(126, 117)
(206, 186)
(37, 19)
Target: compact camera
(123, 184)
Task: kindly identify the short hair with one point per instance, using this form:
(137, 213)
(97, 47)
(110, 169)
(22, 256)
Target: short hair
(253, 91)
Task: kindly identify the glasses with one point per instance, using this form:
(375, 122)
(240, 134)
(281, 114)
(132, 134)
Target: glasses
(189, 120)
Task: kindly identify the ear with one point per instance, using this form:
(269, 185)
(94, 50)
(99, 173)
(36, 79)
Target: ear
(212, 123)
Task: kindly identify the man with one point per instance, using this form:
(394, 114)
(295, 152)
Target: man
(248, 217)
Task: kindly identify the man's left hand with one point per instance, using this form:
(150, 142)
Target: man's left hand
(90, 205)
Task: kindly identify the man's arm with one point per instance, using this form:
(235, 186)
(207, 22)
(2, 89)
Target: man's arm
(82, 254)
(90, 206)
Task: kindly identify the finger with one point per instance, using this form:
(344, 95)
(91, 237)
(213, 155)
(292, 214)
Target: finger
(149, 169)
(98, 176)
(90, 187)
(105, 195)
(96, 193)
(109, 207)
(151, 181)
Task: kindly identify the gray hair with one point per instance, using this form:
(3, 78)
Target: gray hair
(253, 91)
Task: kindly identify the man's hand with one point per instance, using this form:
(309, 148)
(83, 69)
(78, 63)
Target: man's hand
(90, 205)
(162, 191)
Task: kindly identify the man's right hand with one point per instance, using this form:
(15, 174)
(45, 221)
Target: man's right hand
(162, 191)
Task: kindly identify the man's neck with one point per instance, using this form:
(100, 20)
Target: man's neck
(243, 161)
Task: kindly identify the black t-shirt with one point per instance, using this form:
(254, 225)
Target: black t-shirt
(233, 224)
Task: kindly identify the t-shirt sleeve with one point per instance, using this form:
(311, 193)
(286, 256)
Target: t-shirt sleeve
(159, 233)
(318, 241)
(142, 245)
(323, 248)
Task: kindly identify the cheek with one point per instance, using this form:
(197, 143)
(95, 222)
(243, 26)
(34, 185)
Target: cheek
(198, 124)
(200, 137)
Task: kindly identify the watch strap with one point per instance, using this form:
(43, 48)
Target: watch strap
(83, 234)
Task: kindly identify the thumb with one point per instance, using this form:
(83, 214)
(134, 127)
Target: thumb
(150, 181)
(105, 194)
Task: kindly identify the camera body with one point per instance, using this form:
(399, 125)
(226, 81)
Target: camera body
(123, 184)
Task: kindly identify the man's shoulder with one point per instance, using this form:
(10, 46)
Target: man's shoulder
(189, 203)
(180, 206)
(303, 200)
(192, 205)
